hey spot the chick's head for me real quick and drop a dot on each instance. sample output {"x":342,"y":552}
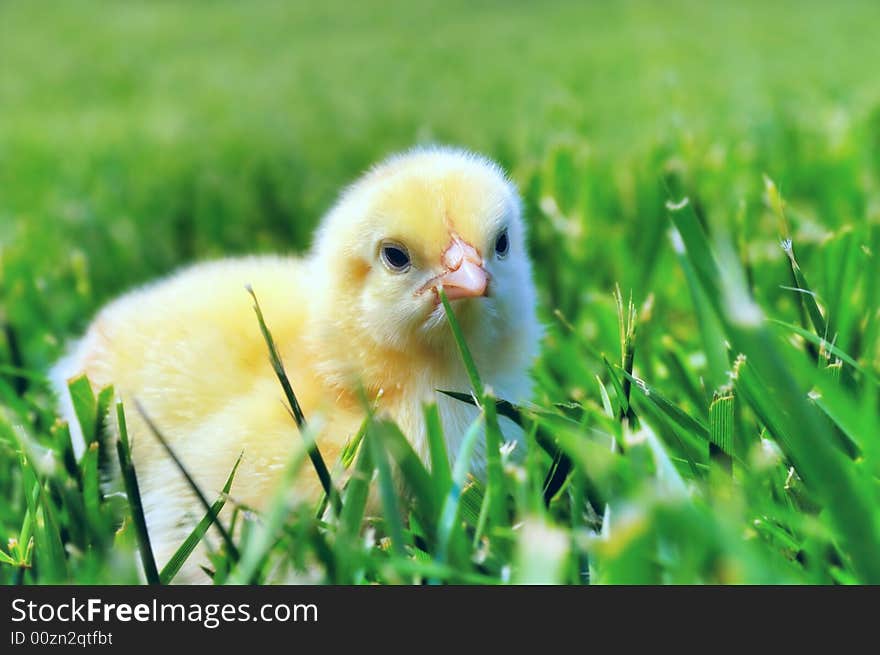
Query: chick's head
{"x":420,"y":221}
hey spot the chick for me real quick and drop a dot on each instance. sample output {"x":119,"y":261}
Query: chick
{"x":360,"y":311}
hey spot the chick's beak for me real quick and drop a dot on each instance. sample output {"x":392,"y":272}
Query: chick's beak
{"x":465,"y":276}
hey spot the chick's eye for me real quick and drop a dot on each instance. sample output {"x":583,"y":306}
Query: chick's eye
{"x":395,"y":257}
{"x":502,"y":244}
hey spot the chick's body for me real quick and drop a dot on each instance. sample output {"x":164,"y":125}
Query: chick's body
{"x":360,"y":311}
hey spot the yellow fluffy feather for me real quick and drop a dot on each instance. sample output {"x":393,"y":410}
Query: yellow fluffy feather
{"x":360,"y":309}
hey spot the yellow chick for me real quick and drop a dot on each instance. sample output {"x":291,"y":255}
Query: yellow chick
{"x":360,"y":310}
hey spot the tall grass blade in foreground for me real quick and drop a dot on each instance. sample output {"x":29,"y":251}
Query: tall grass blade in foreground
{"x":278,"y":366}
{"x":353,"y":507}
{"x":450,"y":509}
{"x":387,"y":490}
{"x":441,"y":473}
{"x":178,"y":559}
{"x":227,"y":539}
{"x":494,"y":474}
{"x":806,"y":296}
{"x":626,"y":320}
{"x":132,"y":491}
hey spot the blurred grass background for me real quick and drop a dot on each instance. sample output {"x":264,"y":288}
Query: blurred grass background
{"x":152,"y":133}
{"x":137,"y":136}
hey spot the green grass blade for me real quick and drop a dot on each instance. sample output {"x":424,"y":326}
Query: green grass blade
{"x":178,"y":559}
{"x":502,"y":407}
{"x":820,"y":342}
{"x":313,"y":450}
{"x":227,"y":539}
{"x":494,"y":473}
{"x":626,"y":322}
{"x":353,"y":446}
{"x":721,"y":427}
{"x":132,"y":491}
{"x":721,"y":422}
{"x":63,"y":445}
{"x":441,"y":473}
{"x":85,"y":406}
{"x":467,"y":359}
{"x":41,"y":520}
{"x":48,"y":549}
{"x":25,"y":535}
{"x":49,"y":530}
{"x":606,"y":399}
{"x":91,"y":484}
{"x":806,"y":295}
{"x":623,"y":405}
{"x":412,"y":472}
{"x":348,"y":550}
{"x":711,"y":332}
{"x":449,"y":513}
{"x":682,"y":419}
{"x":102,"y":408}
{"x":471,"y":501}
{"x":387,"y":490}
{"x":690,"y":233}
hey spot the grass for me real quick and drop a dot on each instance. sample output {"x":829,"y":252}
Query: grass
{"x":716,"y":165}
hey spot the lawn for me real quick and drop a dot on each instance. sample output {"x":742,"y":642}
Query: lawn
{"x":717,"y":420}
